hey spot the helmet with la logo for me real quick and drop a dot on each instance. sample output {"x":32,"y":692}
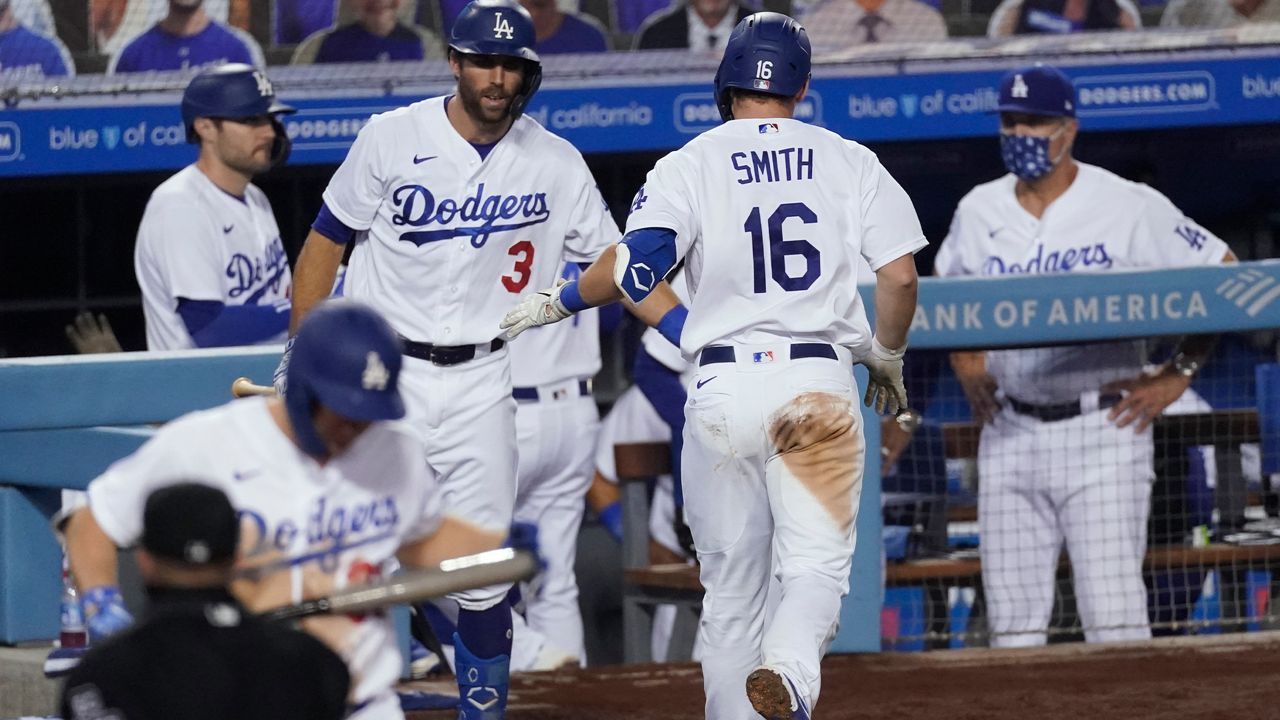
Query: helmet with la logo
{"x":233,"y":91}
{"x":346,"y":358}
{"x":500,"y":27}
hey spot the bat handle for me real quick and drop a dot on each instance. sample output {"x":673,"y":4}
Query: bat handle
{"x":244,"y":387}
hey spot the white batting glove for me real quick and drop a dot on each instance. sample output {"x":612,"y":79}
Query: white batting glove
{"x":540,"y":308}
{"x":885,"y":390}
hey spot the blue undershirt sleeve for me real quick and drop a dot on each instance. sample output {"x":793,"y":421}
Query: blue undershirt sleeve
{"x":328,"y":225}
{"x":214,"y":324}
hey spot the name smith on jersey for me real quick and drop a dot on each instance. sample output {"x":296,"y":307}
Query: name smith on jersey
{"x":768,"y":166}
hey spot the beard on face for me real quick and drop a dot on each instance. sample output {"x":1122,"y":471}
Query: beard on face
{"x":473,"y":103}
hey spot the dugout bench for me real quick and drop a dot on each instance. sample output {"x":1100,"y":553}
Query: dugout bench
{"x":648,"y":585}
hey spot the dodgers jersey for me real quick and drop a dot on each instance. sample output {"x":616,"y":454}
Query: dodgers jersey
{"x":771,"y":216}
{"x":299,"y":520}
{"x":1102,"y":223}
{"x":448,"y":243}
{"x":197,"y":241}
{"x":567,"y":350}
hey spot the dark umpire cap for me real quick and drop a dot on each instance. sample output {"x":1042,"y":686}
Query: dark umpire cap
{"x":1038,"y":90}
{"x":191,"y":523}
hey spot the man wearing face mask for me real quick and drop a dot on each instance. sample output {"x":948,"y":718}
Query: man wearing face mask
{"x":1066,"y":452}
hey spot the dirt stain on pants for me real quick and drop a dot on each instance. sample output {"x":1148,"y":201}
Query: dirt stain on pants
{"x":817,"y":439}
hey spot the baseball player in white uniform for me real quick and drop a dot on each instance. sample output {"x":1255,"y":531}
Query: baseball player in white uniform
{"x":770,"y":214}
{"x":328,"y":495}
{"x":1066,"y":452}
{"x":209,"y":258}
{"x":455,"y":204}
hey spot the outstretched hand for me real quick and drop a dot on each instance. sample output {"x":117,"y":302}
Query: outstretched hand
{"x":539,"y":308}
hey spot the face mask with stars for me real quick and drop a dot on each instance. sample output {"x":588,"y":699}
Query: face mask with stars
{"x":1027,"y":156}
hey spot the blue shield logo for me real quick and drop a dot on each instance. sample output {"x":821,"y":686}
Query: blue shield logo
{"x":111,"y":136}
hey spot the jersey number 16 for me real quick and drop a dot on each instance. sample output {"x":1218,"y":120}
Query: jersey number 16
{"x":780,"y":248}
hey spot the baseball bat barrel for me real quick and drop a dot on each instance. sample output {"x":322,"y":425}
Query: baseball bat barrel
{"x":504,"y":565}
{"x":244,"y":387}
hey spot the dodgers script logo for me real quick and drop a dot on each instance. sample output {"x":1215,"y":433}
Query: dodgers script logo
{"x":331,"y":528}
{"x":1057,"y":261}
{"x":477,"y":216}
{"x":265,"y":272}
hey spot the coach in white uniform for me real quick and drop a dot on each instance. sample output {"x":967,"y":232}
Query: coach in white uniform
{"x":455,"y":205}
{"x":770,"y":215}
{"x":1066,"y":451}
{"x":209,"y":259}
{"x":328,"y":495}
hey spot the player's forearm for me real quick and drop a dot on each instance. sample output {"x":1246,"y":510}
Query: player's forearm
{"x":969,"y":363}
{"x":313,"y":277}
{"x":596,"y":286}
{"x":454,"y":538}
{"x":90,"y":552}
{"x":652,"y":309}
{"x":896,"y":285}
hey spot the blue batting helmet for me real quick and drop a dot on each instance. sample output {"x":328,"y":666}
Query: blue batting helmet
{"x":234,"y":90}
{"x":768,"y":53}
{"x":346,"y":358}
{"x":500,"y":27}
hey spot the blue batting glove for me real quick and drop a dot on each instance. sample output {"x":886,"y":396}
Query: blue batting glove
{"x":611,"y":519}
{"x":104,"y":612}
{"x":280,"y":378}
{"x":524,"y":536}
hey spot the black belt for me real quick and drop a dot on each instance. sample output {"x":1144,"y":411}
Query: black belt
{"x":531,"y":393}
{"x":446,"y":354}
{"x":1061,"y":411}
{"x":724,"y":353}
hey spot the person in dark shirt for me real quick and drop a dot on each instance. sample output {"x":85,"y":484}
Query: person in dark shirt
{"x":186,"y":38}
{"x":22,"y":48}
{"x":564,"y":32}
{"x":698,"y":25}
{"x":198,"y":654}
{"x":376,"y":35}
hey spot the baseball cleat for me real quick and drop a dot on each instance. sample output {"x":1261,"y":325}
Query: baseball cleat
{"x":773,"y":696}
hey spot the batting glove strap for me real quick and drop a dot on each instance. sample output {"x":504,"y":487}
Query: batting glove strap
{"x":881,"y":352}
{"x":104,"y":612}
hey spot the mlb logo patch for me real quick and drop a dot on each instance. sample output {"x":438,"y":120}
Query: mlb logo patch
{"x":768,"y":128}
{"x":762,"y":357}
{"x":759,"y":84}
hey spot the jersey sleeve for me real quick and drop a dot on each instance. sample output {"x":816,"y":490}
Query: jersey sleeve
{"x":357,"y":188}
{"x":1165,"y":237}
{"x":668,"y":200}
{"x":890,"y":228}
{"x":178,"y":238}
{"x":592,"y":227}
{"x":117,"y":496}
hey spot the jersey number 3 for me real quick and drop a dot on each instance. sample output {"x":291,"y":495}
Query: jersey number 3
{"x":781,"y":248}
{"x":523,"y":252}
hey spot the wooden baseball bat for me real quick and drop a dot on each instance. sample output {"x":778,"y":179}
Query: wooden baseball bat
{"x":504,"y":565}
{"x":244,"y":387}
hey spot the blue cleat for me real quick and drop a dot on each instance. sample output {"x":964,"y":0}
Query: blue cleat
{"x":774,"y":696}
